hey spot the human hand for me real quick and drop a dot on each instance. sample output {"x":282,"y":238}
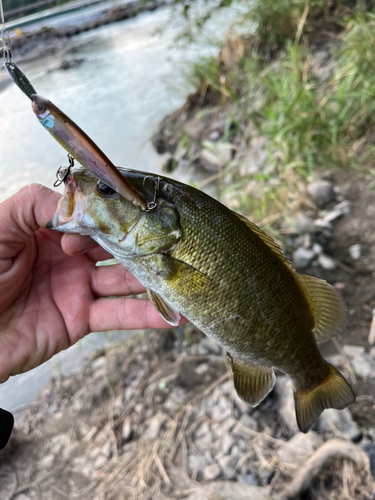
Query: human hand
{"x":51,"y":292}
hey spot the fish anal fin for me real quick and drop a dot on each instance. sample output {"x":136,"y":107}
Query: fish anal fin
{"x":333,"y":392}
{"x":326,"y":306}
{"x":266,"y":239}
{"x":252,"y":382}
{"x":165,"y":310}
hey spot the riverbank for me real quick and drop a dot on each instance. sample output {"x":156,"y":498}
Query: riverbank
{"x":30,"y":44}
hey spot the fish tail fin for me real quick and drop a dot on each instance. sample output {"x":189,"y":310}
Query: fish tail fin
{"x":333,"y":392}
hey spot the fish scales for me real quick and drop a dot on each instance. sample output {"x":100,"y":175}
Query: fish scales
{"x":200,"y":259}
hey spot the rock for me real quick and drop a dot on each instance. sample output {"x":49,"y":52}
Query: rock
{"x":197,"y":463}
{"x":229,"y":490}
{"x":355,"y":251}
{"x":126,"y":430}
{"x":154,"y":425}
{"x":286,"y":410}
{"x":211,"y":472}
{"x":71,"y":63}
{"x":249,"y":422}
{"x":215,"y":155}
{"x":303,"y":447}
{"x":201,"y":369}
{"x":317,"y":249}
{"x":227,"y":442}
{"x":208,"y":346}
{"x":321,"y":192}
{"x":302,"y":258}
{"x":326,"y":262}
{"x":304,"y":223}
{"x":225,"y":464}
{"x":369,"y":448}
{"x":255,"y":158}
{"x":362,"y":363}
{"x":341,"y":420}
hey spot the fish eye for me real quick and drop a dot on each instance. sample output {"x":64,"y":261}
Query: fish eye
{"x":104,"y":189}
{"x":41,"y":107}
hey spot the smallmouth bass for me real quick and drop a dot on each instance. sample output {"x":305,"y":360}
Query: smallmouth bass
{"x":225,"y":275}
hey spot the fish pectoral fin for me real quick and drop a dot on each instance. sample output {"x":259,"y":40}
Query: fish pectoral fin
{"x":333,"y":392}
{"x":251,"y":381}
{"x":165,"y":310}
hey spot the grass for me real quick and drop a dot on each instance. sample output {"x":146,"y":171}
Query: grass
{"x":312,"y":122}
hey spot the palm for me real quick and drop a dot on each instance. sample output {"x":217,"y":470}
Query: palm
{"x":49,"y":300}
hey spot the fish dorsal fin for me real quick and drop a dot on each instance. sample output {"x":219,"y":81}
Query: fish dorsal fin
{"x":252,"y":382}
{"x":326,"y":306}
{"x":265,"y":238}
{"x":165,"y":310}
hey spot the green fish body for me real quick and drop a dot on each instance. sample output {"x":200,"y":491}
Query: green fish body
{"x":198,"y":258}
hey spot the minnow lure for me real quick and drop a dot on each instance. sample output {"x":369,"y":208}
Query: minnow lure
{"x":83,"y":149}
{"x":73,"y":138}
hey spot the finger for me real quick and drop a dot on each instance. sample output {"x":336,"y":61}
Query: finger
{"x":114,"y":280}
{"x":23,"y":214}
{"x":125,"y":314}
{"x":73,"y":244}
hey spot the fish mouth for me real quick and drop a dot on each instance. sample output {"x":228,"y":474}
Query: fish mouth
{"x":69,"y":209}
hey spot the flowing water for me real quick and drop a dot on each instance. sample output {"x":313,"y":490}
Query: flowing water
{"x":130,"y":80}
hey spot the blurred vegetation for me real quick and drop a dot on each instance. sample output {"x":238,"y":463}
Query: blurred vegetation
{"x":316,"y":115}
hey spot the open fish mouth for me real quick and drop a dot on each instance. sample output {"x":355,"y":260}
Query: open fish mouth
{"x":70,"y":208}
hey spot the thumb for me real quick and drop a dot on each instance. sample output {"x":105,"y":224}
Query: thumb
{"x":23,"y":214}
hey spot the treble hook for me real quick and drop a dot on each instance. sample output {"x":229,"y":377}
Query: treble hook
{"x":63,"y":172}
{"x":151,"y":205}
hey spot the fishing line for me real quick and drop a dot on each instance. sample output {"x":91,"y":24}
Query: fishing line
{"x":6,"y":418}
{"x":4,"y":36}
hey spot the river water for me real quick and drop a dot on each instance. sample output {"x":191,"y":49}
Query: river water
{"x":131,"y":78}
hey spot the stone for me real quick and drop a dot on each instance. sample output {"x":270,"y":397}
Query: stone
{"x":302,"y":258}
{"x":362,"y":363}
{"x":211,"y":472}
{"x":355,"y":251}
{"x":201,"y":369}
{"x":227,"y":442}
{"x":303,"y":446}
{"x":317,"y":249}
{"x":369,"y":448}
{"x":225,"y":464}
{"x":154,"y":425}
{"x":304,"y":223}
{"x":229,"y":490}
{"x":197,"y":463}
{"x":286,"y":409}
{"x":248,"y":421}
{"x":210,"y":346}
{"x":341,"y":420}
{"x":326,"y":262}
{"x":215,"y":155}
{"x":126,"y":429}
{"x":321,"y":192}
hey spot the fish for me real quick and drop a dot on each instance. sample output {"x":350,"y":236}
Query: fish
{"x":82,"y":148}
{"x":198,"y":258}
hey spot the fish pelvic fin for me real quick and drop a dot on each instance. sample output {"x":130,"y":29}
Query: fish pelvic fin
{"x":326,"y":305}
{"x":252,"y":382}
{"x":165,"y":310}
{"x":333,"y":392}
